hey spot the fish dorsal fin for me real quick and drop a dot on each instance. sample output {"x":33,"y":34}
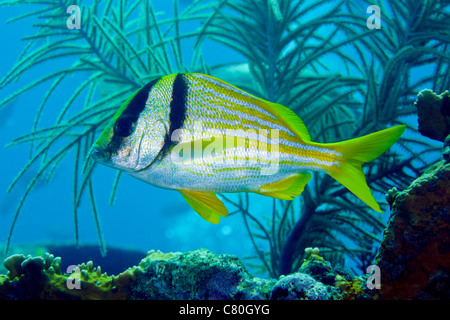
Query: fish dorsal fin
{"x":286,"y":189}
{"x":292,"y":120}
{"x":286,"y":115}
{"x":207,"y":205}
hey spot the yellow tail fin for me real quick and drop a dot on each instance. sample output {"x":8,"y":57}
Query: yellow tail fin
{"x":357,"y":151}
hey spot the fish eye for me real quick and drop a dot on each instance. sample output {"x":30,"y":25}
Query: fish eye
{"x":124,"y":127}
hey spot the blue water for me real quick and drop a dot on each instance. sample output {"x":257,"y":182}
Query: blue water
{"x":143,"y":217}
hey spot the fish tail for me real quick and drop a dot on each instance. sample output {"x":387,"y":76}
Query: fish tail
{"x":355,"y":153}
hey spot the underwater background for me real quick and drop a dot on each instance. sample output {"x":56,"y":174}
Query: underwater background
{"x":142,"y":218}
{"x":323,"y":59}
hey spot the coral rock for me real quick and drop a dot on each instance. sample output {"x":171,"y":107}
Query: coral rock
{"x":341,"y":283}
{"x":433,"y":114}
{"x":446,"y":153}
{"x":198,"y":274}
{"x":193,"y":275}
{"x":300,"y":286}
{"x":414,"y":257}
{"x":13,"y":265}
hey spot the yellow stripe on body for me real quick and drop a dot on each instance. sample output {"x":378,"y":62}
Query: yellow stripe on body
{"x":235,"y":103}
{"x":216,"y":108}
{"x":245,"y":158}
{"x":221,"y":88}
{"x":264,"y":145}
{"x":209,"y":94}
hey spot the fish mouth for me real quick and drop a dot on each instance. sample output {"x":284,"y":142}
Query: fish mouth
{"x":97,"y":153}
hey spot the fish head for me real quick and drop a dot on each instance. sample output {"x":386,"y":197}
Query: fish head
{"x":134,"y":136}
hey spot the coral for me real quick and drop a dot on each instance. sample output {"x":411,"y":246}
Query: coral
{"x":414,"y":257}
{"x":116,"y":261}
{"x":316,"y":266}
{"x":300,"y":286}
{"x":194,"y":275}
{"x":433,"y":114}
{"x":19,"y":250}
{"x":41,"y":278}
{"x":13,"y":265}
{"x":446,"y":153}
{"x":342,"y":283}
{"x":198,"y":274}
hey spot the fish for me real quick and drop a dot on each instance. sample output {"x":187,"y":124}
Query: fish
{"x":201,"y":136}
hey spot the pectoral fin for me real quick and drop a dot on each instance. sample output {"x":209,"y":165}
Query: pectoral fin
{"x":286,"y":189}
{"x":207,"y":205}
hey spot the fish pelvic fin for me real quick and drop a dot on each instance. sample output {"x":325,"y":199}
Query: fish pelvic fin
{"x":286,"y":189}
{"x":355,"y":153}
{"x":207,"y":205}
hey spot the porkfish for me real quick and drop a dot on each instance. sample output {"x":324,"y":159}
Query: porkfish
{"x":200,"y":136}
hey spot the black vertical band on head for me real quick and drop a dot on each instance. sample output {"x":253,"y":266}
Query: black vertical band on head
{"x":137,"y":104}
{"x":177,"y":113}
{"x":131,"y":113}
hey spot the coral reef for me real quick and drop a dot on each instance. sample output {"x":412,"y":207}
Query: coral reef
{"x":40,"y":278}
{"x":199,"y":274}
{"x":300,"y":286}
{"x":433,"y":114}
{"x":33,"y":250}
{"x":194,"y":275}
{"x":414,"y":257}
{"x":342,"y":284}
{"x":116,"y":261}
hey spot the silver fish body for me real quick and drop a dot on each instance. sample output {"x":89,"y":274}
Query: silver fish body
{"x":200,"y":135}
{"x":244,"y":138}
